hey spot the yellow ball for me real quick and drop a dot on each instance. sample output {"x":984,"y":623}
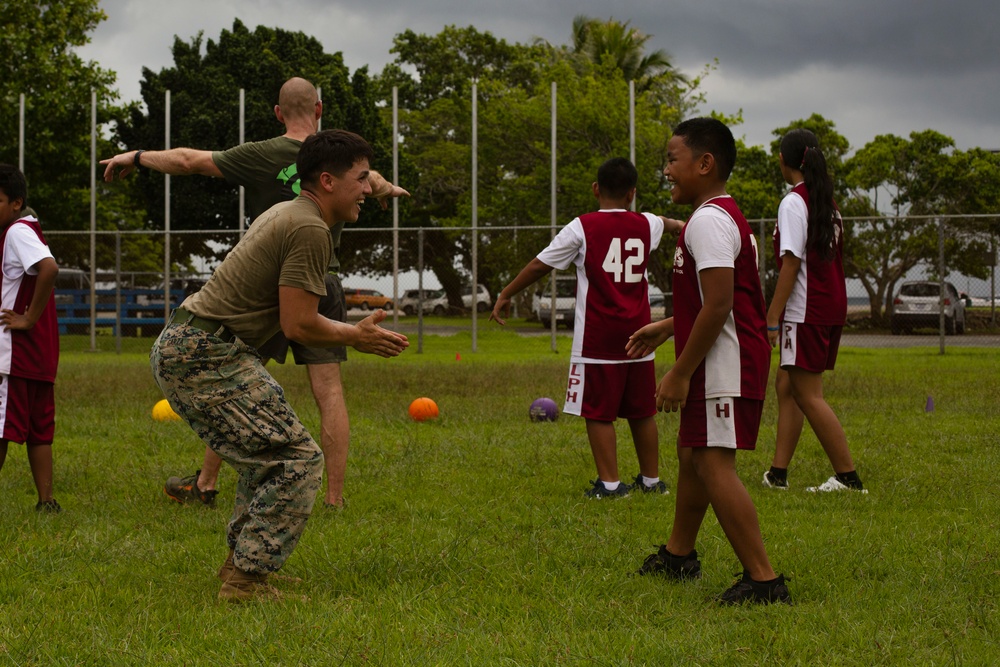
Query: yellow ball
{"x":162,"y":412}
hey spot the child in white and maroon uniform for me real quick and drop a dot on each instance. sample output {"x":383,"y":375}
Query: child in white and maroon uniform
{"x":808,"y":311}
{"x":29,"y":335}
{"x":719,"y":379}
{"x":610,"y":249}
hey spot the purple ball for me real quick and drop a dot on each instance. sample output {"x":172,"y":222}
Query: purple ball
{"x":543,"y":410}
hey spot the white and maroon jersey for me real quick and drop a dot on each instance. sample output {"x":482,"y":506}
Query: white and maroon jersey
{"x":32,"y":354}
{"x":819,"y":295}
{"x":610,"y":249}
{"x":718,"y":236}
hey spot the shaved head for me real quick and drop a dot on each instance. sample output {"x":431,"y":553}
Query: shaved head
{"x":297,"y":99}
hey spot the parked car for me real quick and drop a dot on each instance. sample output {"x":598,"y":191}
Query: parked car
{"x":917,"y":305}
{"x":366,"y":299}
{"x":68,"y":284}
{"x":661,"y":305}
{"x":565,"y":302}
{"x":438,"y":303}
{"x":411,"y":299}
{"x":483,"y":300}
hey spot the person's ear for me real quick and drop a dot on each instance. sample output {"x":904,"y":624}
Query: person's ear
{"x":327,"y":181}
{"x":706,"y":163}
{"x":596,"y":189}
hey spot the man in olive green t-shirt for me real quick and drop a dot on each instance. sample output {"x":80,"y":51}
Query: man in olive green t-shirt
{"x":206,"y":364}
{"x":267,"y":169}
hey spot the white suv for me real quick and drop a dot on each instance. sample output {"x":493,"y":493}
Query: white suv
{"x":565,"y":302}
{"x":483,"y":300}
{"x":916,"y":306}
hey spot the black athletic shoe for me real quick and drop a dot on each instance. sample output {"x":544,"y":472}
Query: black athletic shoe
{"x":185,"y":489}
{"x":774,"y":482}
{"x":48,"y":506}
{"x":599,"y":491}
{"x":748,"y":590}
{"x":659,"y":487}
{"x":678,"y":567}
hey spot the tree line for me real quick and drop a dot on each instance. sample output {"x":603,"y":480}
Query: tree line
{"x":922,"y":175}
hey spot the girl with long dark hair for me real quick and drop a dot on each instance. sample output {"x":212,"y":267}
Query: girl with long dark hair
{"x":808,"y":311}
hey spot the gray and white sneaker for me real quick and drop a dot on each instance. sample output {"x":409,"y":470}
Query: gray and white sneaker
{"x":833,"y":484}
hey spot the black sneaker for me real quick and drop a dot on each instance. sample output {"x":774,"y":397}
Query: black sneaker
{"x":659,"y":487}
{"x":186,"y":489}
{"x":598,"y":490}
{"x":48,"y":506}
{"x":748,"y":590}
{"x":678,"y":567}
{"x":772,"y":481}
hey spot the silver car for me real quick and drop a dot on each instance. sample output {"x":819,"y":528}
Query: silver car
{"x":918,"y":305}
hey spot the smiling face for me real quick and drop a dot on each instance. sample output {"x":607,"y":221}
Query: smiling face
{"x":348,"y":191}
{"x":682,"y":171}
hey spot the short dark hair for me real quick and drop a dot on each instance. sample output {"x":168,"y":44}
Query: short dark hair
{"x":331,"y":151}
{"x":616,"y":177}
{"x":708,"y":135}
{"x":13,"y":184}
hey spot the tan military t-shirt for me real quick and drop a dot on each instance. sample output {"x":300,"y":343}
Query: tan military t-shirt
{"x":288,"y":245}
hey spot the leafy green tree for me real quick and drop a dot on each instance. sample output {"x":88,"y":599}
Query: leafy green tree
{"x":38,"y":58}
{"x":204,"y":84}
{"x":923,"y":177}
{"x":625,"y":46}
{"x":514,"y":107}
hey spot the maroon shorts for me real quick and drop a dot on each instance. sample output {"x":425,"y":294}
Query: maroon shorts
{"x":27,"y":410}
{"x":730,"y":422}
{"x":605,"y":392}
{"x":811,"y":347}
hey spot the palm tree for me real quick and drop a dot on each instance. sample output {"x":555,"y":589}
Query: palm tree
{"x":598,"y":40}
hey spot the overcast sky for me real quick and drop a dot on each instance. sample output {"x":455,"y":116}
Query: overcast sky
{"x":871,"y":66}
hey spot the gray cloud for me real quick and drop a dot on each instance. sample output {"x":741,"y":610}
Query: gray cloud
{"x":871,"y":66}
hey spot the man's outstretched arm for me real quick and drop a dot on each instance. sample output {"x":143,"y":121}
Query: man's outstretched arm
{"x":176,"y":162}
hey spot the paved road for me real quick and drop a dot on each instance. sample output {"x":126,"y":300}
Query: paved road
{"x":887,"y":341}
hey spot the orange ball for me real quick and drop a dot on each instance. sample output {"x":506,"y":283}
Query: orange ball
{"x":422,"y":409}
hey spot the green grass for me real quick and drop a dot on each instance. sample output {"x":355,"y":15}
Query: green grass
{"x":468,"y":541}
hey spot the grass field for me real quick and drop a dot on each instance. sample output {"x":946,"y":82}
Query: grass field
{"x":467,"y":541}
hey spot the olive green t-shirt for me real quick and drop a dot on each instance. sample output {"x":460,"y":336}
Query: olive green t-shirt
{"x":268,"y":172}
{"x":288,"y":245}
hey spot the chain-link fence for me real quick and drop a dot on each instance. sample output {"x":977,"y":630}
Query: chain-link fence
{"x":424,"y":279}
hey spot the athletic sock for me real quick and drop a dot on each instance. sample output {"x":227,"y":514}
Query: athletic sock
{"x":610,"y":486}
{"x":850,"y":479}
{"x":649,"y":482}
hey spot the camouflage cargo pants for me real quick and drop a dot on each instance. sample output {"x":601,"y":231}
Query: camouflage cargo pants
{"x":223,"y":392}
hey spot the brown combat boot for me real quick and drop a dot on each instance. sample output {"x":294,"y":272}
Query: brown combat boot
{"x":227,"y":568}
{"x":240,"y":586}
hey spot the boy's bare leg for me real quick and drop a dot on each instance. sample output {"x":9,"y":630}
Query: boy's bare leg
{"x":40,"y":460}
{"x":335,"y":427}
{"x":807,"y":388}
{"x":716,"y":467}
{"x":604,"y":446}
{"x":647,"y":446}
{"x":790,"y":421}
{"x":690,"y":506}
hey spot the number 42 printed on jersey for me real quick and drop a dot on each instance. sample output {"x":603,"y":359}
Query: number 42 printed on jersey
{"x":633,"y":256}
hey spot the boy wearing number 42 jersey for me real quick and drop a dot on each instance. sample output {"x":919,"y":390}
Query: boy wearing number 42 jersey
{"x":610,"y":249}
